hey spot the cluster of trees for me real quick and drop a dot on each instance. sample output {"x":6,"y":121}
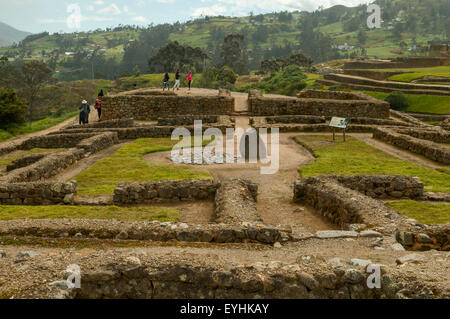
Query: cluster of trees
{"x":28,"y":79}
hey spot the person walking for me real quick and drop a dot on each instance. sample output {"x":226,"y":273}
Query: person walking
{"x":81,"y":120}
{"x":189,"y":79}
{"x":98,"y":106}
{"x":177,"y":81}
{"x":166,"y":81}
{"x":86,"y":111}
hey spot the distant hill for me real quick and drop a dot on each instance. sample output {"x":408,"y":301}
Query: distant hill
{"x":9,"y":35}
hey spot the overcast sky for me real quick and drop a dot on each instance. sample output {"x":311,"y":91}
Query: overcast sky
{"x":52,"y":15}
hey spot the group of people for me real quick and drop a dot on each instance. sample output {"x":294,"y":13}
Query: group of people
{"x":85,"y":109}
{"x":176,"y":84}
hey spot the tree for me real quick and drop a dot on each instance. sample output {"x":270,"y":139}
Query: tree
{"x":175,"y":56}
{"x":362,"y":36}
{"x":34,"y":76}
{"x":397,"y":31}
{"x":233,"y":54}
{"x":12,"y":109}
{"x":8,"y":74}
{"x":298,"y":59}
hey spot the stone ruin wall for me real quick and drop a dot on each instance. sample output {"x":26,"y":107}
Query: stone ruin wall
{"x":433,"y":151}
{"x":318,"y":107}
{"x":152,"y":107}
{"x":165,"y":191}
{"x":44,"y":166}
{"x":275,"y":280}
{"x":399,"y":63}
{"x":42,"y":193}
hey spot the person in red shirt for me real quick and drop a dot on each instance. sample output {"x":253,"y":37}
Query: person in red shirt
{"x":189,"y":79}
{"x":98,"y":106}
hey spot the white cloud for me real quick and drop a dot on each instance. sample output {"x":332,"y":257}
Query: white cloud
{"x":99,"y":3}
{"x":140,"y":19}
{"x":112,"y":9}
{"x":90,"y":8}
{"x":210,"y":11}
{"x":278,"y":5}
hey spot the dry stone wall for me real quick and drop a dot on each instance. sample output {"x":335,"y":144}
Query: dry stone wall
{"x":37,"y":193}
{"x":165,"y":279}
{"x":344,"y":206}
{"x":434,"y":135}
{"x":342,"y":78}
{"x":333,"y":95}
{"x":45,"y":168}
{"x":235,"y":202}
{"x":434,"y":151}
{"x":148,"y":231}
{"x":382,"y":186}
{"x":399,"y":63}
{"x":25,"y":161}
{"x":98,"y":142}
{"x":165,"y":191}
{"x":265,"y":106}
{"x":56,"y":140}
{"x":145,"y":108}
{"x":183,"y":120}
{"x":147,"y":131}
{"x":106,"y":124}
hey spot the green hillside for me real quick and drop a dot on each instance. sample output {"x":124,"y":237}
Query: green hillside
{"x":409,"y":26}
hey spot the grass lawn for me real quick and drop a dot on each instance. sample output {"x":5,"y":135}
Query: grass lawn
{"x":426,"y":213}
{"x":357,"y":158}
{"x":421,"y":103}
{"x":128,"y":165}
{"x":147,"y":213}
{"x":35,"y":126}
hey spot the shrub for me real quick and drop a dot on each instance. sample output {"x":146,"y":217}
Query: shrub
{"x":287,"y":82}
{"x":397,"y":100}
{"x":227,"y":75}
{"x":12,"y":109}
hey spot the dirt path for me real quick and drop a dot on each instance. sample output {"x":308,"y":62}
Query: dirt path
{"x":21,"y":138}
{"x":275,"y":191}
{"x":397,"y":152}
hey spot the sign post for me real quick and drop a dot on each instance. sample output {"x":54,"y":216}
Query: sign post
{"x":339,"y":122}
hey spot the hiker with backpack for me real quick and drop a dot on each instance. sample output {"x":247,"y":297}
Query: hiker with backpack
{"x":166,"y":81}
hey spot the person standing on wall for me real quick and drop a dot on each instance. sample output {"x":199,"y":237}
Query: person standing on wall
{"x":166,"y":81}
{"x":98,"y":106}
{"x":189,"y":79}
{"x":177,"y":81}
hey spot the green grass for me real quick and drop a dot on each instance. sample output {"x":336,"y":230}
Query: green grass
{"x":147,"y":213}
{"x":421,"y":103}
{"x":415,"y":74}
{"x":357,"y":158}
{"x":426,"y":213}
{"x":35,"y":126}
{"x":128,"y":165}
